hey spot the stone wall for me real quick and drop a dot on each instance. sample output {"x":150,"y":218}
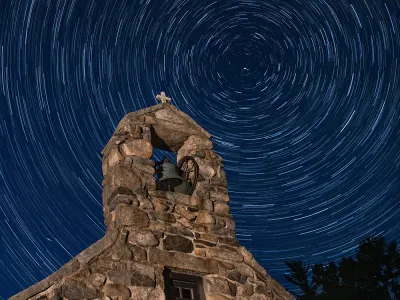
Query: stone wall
{"x":149,"y":229}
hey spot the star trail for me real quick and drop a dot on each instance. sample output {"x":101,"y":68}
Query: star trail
{"x":302,"y":98}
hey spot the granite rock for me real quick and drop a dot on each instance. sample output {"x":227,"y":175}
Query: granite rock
{"x":177,"y":243}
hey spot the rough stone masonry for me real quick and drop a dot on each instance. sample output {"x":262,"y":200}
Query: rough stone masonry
{"x":148,"y":229}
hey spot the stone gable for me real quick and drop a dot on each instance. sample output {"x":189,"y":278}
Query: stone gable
{"x":151,"y":231}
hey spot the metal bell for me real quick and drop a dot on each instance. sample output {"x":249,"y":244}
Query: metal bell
{"x":169,"y":179}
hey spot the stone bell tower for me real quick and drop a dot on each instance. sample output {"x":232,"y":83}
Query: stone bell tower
{"x":161,"y":244}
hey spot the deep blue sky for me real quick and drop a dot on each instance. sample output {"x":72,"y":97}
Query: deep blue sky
{"x":302,"y":99}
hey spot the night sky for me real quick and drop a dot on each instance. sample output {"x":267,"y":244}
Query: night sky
{"x":302,"y":99}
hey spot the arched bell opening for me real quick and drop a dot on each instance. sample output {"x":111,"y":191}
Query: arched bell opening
{"x":170,"y":174}
{"x":129,"y":165}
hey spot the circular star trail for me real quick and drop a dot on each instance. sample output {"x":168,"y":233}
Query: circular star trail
{"x":302,"y":99}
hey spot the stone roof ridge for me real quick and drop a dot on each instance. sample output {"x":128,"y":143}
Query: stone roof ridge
{"x":173,"y":109}
{"x":84,"y":258}
{"x":71,"y":267}
{"x":135,"y":116}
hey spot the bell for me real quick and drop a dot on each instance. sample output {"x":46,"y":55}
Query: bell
{"x":169,"y":179}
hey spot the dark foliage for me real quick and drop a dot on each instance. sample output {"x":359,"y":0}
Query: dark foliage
{"x":372,"y":274}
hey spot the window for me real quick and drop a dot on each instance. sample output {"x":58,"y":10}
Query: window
{"x":179,"y":286}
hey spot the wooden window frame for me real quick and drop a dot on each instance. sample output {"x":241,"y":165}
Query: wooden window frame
{"x":184,"y":279}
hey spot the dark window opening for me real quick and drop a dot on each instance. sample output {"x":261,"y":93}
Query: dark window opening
{"x":179,"y":286}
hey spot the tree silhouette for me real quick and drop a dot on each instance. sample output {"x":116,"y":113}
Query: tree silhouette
{"x":372,"y":274}
{"x":299,"y":277}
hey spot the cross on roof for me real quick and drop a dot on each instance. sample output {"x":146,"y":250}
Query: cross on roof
{"x":163,"y":98}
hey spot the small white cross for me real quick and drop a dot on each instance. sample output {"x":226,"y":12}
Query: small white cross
{"x":163,"y":98}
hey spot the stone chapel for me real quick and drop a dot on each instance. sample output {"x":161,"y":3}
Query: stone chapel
{"x":161,"y":244}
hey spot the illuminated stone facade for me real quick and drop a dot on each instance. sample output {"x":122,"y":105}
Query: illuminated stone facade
{"x":151,"y":231}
